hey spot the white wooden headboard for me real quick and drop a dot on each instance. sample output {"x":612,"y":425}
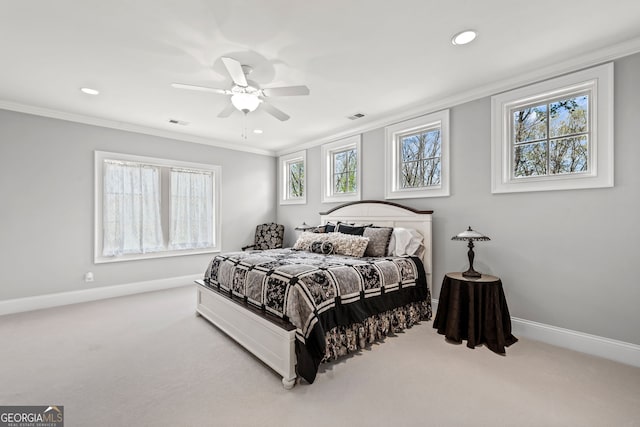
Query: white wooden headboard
{"x":387,"y":214}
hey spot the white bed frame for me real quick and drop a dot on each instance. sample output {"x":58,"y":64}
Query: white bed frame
{"x":274,"y":344}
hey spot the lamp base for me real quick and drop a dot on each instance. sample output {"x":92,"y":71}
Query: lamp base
{"x":471,"y":273}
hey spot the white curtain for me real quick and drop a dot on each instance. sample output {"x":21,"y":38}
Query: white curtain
{"x":131,"y":209}
{"x":192,"y":219}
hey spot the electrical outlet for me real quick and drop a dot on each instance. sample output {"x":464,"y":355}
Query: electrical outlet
{"x":88,"y":277}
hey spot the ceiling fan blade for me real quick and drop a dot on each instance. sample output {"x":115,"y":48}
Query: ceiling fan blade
{"x":235,"y":71}
{"x":201,"y":88}
{"x":286,"y":91}
{"x":229,"y":109}
{"x":278,"y":114}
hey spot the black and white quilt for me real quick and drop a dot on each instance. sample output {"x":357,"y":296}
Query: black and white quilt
{"x":317,"y":292}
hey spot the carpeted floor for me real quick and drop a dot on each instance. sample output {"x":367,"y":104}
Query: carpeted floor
{"x":147,"y":360}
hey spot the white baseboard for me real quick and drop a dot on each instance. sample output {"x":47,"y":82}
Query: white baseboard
{"x":594,"y":345}
{"x":608,"y":348}
{"x":19,"y":305}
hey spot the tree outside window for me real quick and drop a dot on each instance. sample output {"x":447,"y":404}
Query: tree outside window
{"x":296,"y":179}
{"x":421,"y":159}
{"x":417,"y":157}
{"x":345,"y":165}
{"x":554,"y":135}
{"x":292,"y":178}
{"x":341,"y":170}
{"x":551,"y":138}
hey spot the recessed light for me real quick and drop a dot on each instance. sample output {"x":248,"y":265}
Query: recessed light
{"x":464,"y":37}
{"x":258,"y":131}
{"x":89,"y":91}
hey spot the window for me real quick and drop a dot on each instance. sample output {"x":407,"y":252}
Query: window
{"x":293,"y":178}
{"x":344,"y":170}
{"x":191,"y":224}
{"x":417,"y":157}
{"x":555,"y":135}
{"x":341,"y":170}
{"x":148,"y":208}
{"x":551,"y":138}
{"x":131,"y":210}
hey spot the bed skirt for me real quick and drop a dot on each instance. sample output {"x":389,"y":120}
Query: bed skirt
{"x":343,"y":340}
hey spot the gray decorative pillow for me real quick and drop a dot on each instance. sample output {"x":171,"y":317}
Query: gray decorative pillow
{"x":378,"y":241}
{"x":348,"y":244}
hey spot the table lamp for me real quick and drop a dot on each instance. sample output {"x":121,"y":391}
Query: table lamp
{"x":303,"y":227}
{"x":470,"y":235}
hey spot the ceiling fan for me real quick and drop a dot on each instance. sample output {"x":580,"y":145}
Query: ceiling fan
{"x":246,"y":95}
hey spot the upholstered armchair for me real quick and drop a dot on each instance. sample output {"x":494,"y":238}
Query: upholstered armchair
{"x":268,"y":236}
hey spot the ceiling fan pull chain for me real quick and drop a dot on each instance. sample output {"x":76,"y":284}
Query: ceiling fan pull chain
{"x":244,"y":126}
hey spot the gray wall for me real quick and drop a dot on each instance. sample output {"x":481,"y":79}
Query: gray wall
{"x":46,"y":203}
{"x":566,"y":258}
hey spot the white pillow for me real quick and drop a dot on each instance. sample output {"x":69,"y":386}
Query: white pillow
{"x":405,"y":241}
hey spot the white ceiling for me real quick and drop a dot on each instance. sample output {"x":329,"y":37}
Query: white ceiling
{"x":378,"y":57}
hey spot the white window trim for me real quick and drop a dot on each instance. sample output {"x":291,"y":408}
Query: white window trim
{"x":393,"y":189}
{"x":599,"y":81}
{"x":328,"y":196}
{"x":284,"y":178}
{"x":100,"y":156}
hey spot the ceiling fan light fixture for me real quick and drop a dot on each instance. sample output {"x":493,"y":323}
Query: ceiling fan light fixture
{"x":246,"y":96}
{"x":245,"y":102}
{"x":464,"y":37}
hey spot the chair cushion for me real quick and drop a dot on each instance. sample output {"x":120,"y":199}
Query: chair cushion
{"x":269,"y":236}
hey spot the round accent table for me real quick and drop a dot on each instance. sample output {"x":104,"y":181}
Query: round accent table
{"x":474,"y":309}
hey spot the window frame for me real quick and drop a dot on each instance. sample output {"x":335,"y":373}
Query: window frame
{"x":165,"y":164}
{"x":328,"y":152}
{"x":285,"y":161}
{"x":597,"y":82}
{"x":393,"y":160}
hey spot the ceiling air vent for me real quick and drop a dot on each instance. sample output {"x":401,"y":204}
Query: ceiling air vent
{"x":178,"y":122}
{"x":356,"y":116}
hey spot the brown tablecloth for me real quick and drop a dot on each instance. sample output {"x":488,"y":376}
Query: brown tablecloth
{"x":474,"y":310}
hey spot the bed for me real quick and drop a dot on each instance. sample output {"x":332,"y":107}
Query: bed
{"x":294,"y":309}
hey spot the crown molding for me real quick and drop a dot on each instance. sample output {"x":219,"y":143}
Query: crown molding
{"x":426,"y":106}
{"x":128,"y":127}
{"x":431,"y":105}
